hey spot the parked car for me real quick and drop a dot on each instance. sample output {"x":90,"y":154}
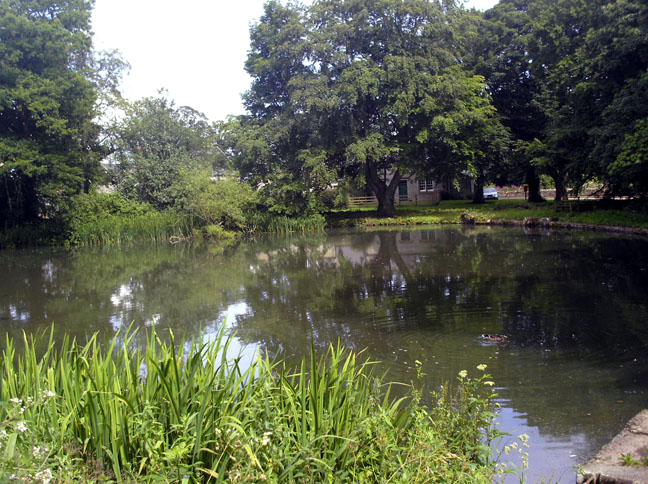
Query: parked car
{"x":491,"y":194}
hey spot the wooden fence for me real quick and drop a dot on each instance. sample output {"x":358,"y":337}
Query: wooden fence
{"x":361,"y":201}
{"x":354,"y":202}
{"x":566,"y":206}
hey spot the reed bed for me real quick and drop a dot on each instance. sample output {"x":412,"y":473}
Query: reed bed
{"x":283,"y":225}
{"x":116,"y":229}
{"x":172,"y":410}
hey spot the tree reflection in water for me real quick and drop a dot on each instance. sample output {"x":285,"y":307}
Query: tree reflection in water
{"x":573,"y":305}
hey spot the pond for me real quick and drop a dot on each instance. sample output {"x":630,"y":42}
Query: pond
{"x":573,"y":306}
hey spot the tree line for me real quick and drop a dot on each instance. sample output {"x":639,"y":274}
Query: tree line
{"x":355,"y":88}
{"x":345,"y":95}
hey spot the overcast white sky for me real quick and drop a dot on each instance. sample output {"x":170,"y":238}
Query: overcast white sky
{"x":193,"y":48}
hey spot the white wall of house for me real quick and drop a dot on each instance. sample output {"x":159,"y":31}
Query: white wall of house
{"x":414,"y":190}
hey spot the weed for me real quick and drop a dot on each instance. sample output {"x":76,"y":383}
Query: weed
{"x":629,"y":460}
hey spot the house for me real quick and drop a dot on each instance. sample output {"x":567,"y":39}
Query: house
{"x":414,"y":189}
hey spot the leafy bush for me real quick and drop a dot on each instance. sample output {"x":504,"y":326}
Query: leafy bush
{"x":629,"y":172}
{"x":108,"y":218}
{"x":333,"y":198}
{"x":225,"y":202}
{"x":218,"y":232}
{"x":154,"y":143}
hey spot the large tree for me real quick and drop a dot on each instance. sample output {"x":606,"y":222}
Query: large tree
{"x":569,"y":79}
{"x":373,"y":89}
{"x":48,"y":140}
{"x":614,"y":79}
{"x":500,"y":53}
{"x":153,"y":144}
{"x":277,"y":144}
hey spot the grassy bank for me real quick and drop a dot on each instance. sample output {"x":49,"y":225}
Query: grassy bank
{"x":176,"y":411}
{"x":495,"y":212}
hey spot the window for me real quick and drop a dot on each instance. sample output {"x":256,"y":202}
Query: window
{"x":426,"y":185}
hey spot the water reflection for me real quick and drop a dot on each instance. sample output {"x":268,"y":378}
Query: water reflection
{"x":573,"y":305}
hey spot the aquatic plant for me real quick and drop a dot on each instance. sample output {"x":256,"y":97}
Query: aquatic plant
{"x":171,"y":410}
{"x":263,"y":222}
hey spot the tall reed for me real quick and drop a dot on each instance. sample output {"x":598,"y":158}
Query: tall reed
{"x":117,"y":229}
{"x":263,"y":222}
{"x":180,"y":411}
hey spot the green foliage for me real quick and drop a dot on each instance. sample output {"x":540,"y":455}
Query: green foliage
{"x":108,"y":218}
{"x":153,"y":145}
{"x":501,"y":212}
{"x":569,"y":78}
{"x":218,"y":232}
{"x":630,"y":460}
{"x":358,"y":89}
{"x":195,"y":416}
{"x":629,"y":172}
{"x":334,"y":198}
{"x":48,"y":141}
{"x":263,"y":222}
{"x":225,"y":201}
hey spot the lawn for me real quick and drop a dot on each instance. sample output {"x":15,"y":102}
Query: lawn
{"x":598,"y":213}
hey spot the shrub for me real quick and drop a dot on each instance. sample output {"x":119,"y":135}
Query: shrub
{"x":226,"y":202}
{"x":108,"y":218}
{"x":218,"y":232}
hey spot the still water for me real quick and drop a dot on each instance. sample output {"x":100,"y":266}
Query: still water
{"x":574,"y":307}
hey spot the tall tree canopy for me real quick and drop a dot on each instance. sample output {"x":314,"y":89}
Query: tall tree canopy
{"x":48,"y":140}
{"x":153,"y":144}
{"x":569,"y":78}
{"x":361,"y":88}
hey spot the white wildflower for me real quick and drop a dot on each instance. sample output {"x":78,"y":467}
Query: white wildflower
{"x":482,"y":367}
{"x":39,"y":452}
{"x":16,"y":401}
{"x":21,"y":427}
{"x":463,"y":374}
{"x":44,"y":476}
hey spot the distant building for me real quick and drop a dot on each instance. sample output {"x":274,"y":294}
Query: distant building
{"x":414,"y":189}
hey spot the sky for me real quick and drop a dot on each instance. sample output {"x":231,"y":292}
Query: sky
{"x":195,"y":49}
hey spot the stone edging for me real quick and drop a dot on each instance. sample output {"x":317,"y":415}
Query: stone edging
{"x":551,"y":223}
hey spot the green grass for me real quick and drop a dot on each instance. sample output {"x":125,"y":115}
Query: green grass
{"x":502,"y":211}
{"x":278,"y":224}
{"x":119,"y":229}
{"x":168,"y":410}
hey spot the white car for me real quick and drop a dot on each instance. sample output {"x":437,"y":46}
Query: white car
{"x":490,"y":194}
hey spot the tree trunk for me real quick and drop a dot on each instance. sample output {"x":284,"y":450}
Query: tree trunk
{"x":533,"y":182}
{"x":384,"y":193}
{"x":560,"y":180}
{"x":30,"y":206}
{"x":478,"y":191}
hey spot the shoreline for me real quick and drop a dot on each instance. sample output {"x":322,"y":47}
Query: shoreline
{"x":617,"y":219}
